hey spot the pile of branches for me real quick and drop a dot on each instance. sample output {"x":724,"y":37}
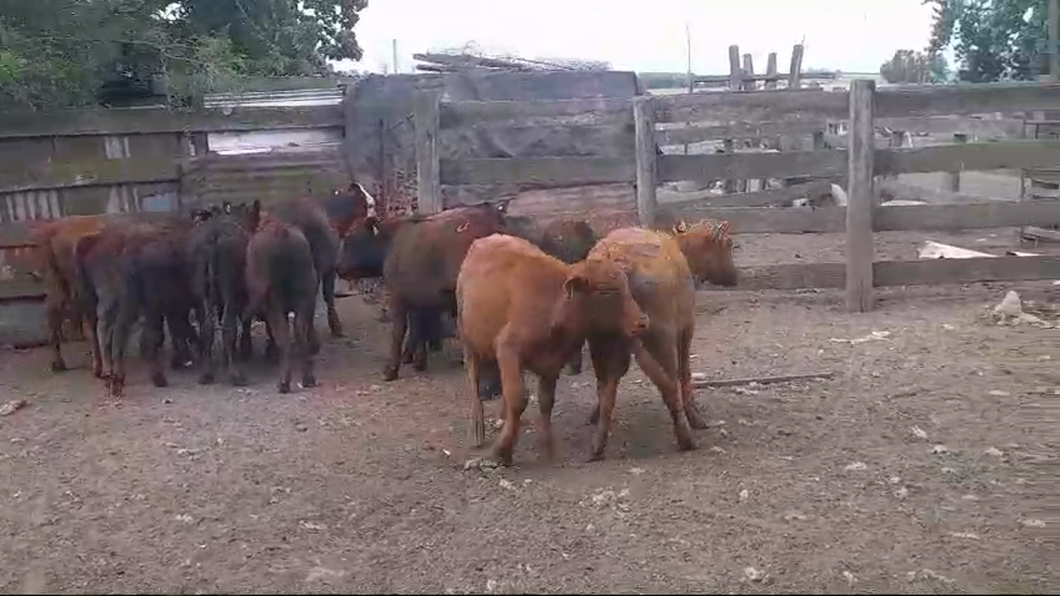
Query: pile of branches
{"x":470,"y":57}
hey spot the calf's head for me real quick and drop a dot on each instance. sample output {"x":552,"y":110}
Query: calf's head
{"x":708,"y":248}
{"x":596,"y":300}
{"x":364,"y":249}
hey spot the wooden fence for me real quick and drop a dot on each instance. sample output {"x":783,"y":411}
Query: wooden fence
{"x":128,"y":160}
{"x":733,"y":115}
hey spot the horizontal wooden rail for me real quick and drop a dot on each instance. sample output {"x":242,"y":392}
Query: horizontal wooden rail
{"x":793,"y":276}
{"x":472,"y":114}
{"x":567,"y":170}
{"x":88,"y":173}
{"x":745,"y":166}
{"x":970,"y":156}
{"x":689,"y":202}
{"x":751,"y":106}
{"x":156,"y":121}
{"x":930,"y":100}
{"x":21,"y":289}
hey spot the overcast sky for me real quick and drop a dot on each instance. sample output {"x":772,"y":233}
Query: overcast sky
{"x":851,"y":35}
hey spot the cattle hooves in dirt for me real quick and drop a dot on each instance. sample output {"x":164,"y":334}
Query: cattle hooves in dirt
{"x":390,"y":373}
{"x":159,"y":380}
{"x":239,"y":380}
{"x":59,"y":366}
{"x":283,"y":387}
{"x":206,"y":379}
{"x":309,"y":382}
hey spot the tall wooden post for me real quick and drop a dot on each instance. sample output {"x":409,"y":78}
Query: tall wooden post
{"x":795,"y":70}
{"x":771,"y":70}
{"x":644,"y":142}
{"x":1054,"y":40}
{"x":861,"y":165}
{"x":953,"y":179}
{"x":428,"y":170}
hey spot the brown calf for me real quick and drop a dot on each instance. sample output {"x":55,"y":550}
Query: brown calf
{"x":281,"y":279}
{"x":521,"y":309}
{"x":662,"y":270}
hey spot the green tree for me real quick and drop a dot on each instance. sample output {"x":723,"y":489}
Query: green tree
{"x":908,"y":66}
{"x":60,"y":53}
{"x":993,"y":39}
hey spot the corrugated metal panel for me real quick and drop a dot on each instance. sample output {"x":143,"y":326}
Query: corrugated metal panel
{"x":291,"y":98}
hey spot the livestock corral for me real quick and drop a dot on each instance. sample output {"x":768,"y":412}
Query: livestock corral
{"x":876,"y":420}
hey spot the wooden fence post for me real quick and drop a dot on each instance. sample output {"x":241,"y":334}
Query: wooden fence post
{"x":795,"y":70}
{"x":861,"y":166}
{"x":428,"y":170}
{"x":644,"y":142}
{"x":953,"y":179}
{"x":771,"y":70}
{"x":749,"y":82}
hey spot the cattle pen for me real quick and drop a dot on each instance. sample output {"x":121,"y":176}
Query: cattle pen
{"x":738,"y":114}
{"x":906,"y":445}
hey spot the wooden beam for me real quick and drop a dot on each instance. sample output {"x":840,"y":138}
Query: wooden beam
{"x":644,"y":152}
{"x":748,"y":73}
{"x":772,"y":76}
{"x":933,"y":100}
{"x":428,"y":171}
{"x":735,"y":76}
{"x":738,"y":130}
{"x":544,"y":170}
{"x":754,"y":220}
{"x":795,"y":70}
{"x":959,"y":271}
{"x":972,"y":156}
{"x":791,"y":276}
{"x":16,"y":234}
{"x":766,"y":78}
{"x":88,"y":173}
{"x":689,"y":202}
{"x":700,"y":383}
{"x":21,"y":289}
{"x":743,"y":166}
{"x":861,"y":160}
{"x":475,"y":114}
{"x":892,"y":189}
{"x":71,"y":123}
{"x":966,"y":216}
{"x":752,"y":106}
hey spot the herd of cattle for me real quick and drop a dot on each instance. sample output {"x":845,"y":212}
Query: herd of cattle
{"x":524,"y":296}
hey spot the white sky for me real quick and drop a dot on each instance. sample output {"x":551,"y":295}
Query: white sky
{"x":850,"y":35}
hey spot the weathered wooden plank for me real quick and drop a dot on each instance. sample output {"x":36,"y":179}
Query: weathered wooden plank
{"x":752,"y":106}
{"x":972,"y":156}
{"x":473,"y":114}
{"x":21,"y":289}
{"x":88,"y":173}
{"x":795,"y":69}
{"x":738,"y":130}
{"x":752,"y":220}
{"x":790,"y":276}
{"x":892,"y":189}
{"x":743,"y":166}
{"x":955,"y":271}
{"x":544,"y":170}
{"x":644,"y":152}
{"x":967,"y":216}
{"x":928,"y":100}
{"x":69,"y":123}
{"x":690,"y":201}
{"x":428,"y":175}
{"x":861,"y":163}
{"x":1005,"y":127}
{"x":15,"y":234}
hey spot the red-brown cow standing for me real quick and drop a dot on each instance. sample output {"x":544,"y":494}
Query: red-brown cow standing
{"x":521,"y":309}
{"x":663,"y":270}
{"x":281,"y":279}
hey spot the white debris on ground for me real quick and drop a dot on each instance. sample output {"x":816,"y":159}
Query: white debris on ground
{"x":874,"y":336}
{"x":1011,"y":311}
{"x":12,"y":406}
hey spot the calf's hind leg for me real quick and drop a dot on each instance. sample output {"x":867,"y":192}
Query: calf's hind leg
{"x":684,"y":366}
{"x":656,"y":355}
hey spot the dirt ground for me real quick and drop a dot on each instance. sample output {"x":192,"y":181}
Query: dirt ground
{"x":918,"y":468}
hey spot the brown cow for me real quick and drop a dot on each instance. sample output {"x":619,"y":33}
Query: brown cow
{"x":54,"y":245}
{"x":663,"y":270}
{"x":521,"y":309}
{"x":131,"y":268}
{"x":281,"y":279}
{"x":419,"y":258}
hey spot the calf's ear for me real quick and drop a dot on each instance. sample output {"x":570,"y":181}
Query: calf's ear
{"x":575,"y":283}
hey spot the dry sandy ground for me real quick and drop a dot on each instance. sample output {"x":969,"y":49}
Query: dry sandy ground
{"x":920,"y":468}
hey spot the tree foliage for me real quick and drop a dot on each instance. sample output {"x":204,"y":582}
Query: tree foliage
{"x":63,"y":52}
{"x":908,"y":66}
{"x":993,"y":39}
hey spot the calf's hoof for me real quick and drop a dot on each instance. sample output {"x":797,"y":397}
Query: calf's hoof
{"x":390,"y":372}
{"x":239,"y":379}
{"x":685,"y":443}
{"x":408,"y":357}
{"x":336,"y":327}
{"x":284,"y":387}
{"x":159,"y":380}
{"x":58,"y":366}
{"x":695,"y":418}
{"x":419,"y":364}
{"x":206,"y":379}
{"x":502,"y":456}
{"x":309,"y":381}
